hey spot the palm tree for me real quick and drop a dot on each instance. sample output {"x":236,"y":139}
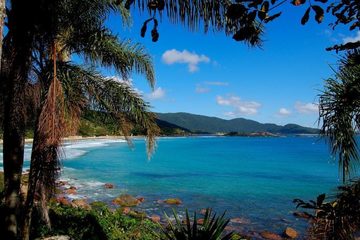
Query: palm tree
{"x":340,"y":113}
{"x":31,"y":22}
{"x":65,"y":89}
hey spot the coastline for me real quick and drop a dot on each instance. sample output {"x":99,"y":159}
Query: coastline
{"x":76,"y":138}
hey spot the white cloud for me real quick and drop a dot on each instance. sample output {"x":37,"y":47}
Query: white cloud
{"x":191,"y":59}
{"x":240,"y":106}
{"x":217,"y":83}
{"x":200,"y":89}
{"x":158,"y":93}
{"x":306,"y":107}
{"x":284,"y":112}
{"x":352,"y":39}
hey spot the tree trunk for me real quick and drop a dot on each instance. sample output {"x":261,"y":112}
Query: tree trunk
{"x":14,"y":111}
{"x":33,"y":179}
{"x":2,"y":18}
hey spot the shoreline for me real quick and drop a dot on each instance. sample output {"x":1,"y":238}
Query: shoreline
{"x":75,"y":138}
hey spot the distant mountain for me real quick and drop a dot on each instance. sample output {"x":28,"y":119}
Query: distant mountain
{"x":204,"y":124}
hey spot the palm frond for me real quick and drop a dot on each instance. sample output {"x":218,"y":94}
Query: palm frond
{"x":116,"y":98}
{"x":339,"y":114}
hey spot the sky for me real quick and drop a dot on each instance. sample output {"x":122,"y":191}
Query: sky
{"x":211,"y":74}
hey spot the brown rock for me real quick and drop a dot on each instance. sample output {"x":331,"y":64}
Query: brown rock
{"x":155,"y":218}
{"x":240,"y":220}
{"x":140,"y":199}
{"x":108,"y":186}
{"x":173,"y":201}
{"x":71,"y":191}
{"x":81,"y":203}
{"x":62,"y":200}
{"x":270,"y":235}
{"x":200,"y":221}
{"x":290,"y":233}
{"x":126,"y":200}
{"x":62,"y":183}
{"x":230,"y":228}
{"x":126,"y":210}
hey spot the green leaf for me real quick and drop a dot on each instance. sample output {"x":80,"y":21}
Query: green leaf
{"x":306,"y":16}
{"x":319,"y":17}
{"x":265,"y":6}
{"x":271,"y":18}
{"x":262,"y":15}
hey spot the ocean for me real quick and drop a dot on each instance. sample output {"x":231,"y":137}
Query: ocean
{"x":252,"y":178}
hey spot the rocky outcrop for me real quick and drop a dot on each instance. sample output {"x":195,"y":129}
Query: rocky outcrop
{"x":173,"y":201}
{"x":290,"y":233}
{"x":270,"y":236}
{"x":126,"y":200}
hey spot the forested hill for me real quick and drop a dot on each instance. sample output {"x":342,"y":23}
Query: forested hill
{"x":204,"y":124}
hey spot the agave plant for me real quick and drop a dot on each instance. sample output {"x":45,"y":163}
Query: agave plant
{"x":212,"y":227}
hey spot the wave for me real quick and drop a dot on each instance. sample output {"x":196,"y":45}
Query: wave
{"x":72,"y":149}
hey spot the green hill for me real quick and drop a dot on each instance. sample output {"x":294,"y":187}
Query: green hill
{"x":204,"y":124}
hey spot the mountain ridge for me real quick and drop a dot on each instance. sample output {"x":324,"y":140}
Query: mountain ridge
{"x":197,"y":123}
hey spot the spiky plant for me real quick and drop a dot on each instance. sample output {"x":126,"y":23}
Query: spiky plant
{"x":212,"y":227}
{"x":340,"y":114}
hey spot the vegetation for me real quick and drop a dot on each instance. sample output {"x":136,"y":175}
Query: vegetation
{"x":212,"y":227}
{"x":339,"y":217}
{"x":198,"y":123}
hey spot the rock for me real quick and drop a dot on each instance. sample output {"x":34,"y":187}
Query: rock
{"x":200,"y":221}
{"x":62,"y":183}
{"x":71,"y":191}
{"x":240,"y":220}
{"x":155,"y":218}
{"x":126,"y":200}
{"x":302,"y":215}
{"x":81,"y":203}
{"x":62,"y":200}
{"x":230,"y":228}
{"x":203,"y":211}
{"x":126,"y":210}
{"x":140,"y":199}
{"x":270,"y":235}
{"x":173,"y":201}
{"x":108,"y":186}
{"x":63,"y":237}
{"x":290,"y":233}
{"x":137,"y":214}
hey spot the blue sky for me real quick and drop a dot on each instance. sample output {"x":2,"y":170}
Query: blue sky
{"x":211,"y":74}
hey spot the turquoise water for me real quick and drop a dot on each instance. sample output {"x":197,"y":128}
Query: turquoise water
{"x":252,"y":178}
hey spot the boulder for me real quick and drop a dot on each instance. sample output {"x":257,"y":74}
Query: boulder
{"x":173,"y":201}
{"x":126,"y":200}
{"x":240,"y":220}
{"x":290,"y":233}
{"x":140,"y":199}
{"x":81,"y":203}
{"x":62,"y":200}
{"x":155,"y":218}
{"x":126,"y":210}
{"x":71,"y":191}
{"x":109,"y":185}
{"x":200,"y":221}
{"x":270,"y":236}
